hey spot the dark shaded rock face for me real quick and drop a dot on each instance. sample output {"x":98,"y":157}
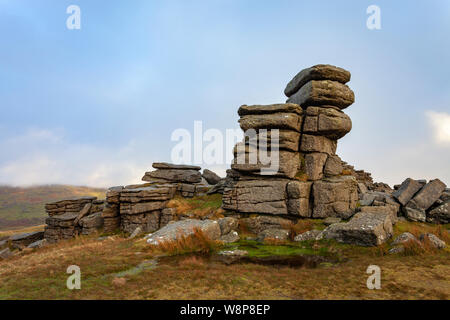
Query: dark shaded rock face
{"x":211,"y":177}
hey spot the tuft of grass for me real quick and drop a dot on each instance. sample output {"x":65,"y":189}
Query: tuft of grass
{"x":197,"y":242}
{"x":199,"y":206}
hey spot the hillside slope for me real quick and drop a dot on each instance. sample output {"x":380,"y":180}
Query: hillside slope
{"x":23,"y":207}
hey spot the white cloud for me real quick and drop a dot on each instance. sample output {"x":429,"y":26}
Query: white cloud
{"x":440,"y":123}
{"x":43,"y":156}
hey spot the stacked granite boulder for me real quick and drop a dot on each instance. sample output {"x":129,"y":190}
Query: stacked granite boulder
{"x":309,"y":180}
{"x":71,"y":217}
{"x":422,"y":201}
{"x":187,"y":179}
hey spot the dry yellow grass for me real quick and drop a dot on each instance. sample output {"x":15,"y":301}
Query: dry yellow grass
{"x":41,"y":274}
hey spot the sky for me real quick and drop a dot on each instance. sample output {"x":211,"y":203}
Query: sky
{"x":98,"y":105}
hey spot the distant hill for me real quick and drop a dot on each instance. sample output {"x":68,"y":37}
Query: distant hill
{"x":24,"y":207}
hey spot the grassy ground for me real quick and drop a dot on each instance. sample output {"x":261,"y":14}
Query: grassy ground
{"x":116,"y":268}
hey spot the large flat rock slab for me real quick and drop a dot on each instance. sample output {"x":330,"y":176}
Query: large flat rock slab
{"x":272,"y":108}
{"x":364,"y":229}
{"x":185,"y":228}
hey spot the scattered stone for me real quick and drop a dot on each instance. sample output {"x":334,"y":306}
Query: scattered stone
{"x":236,"y":252}
{"x":135,"y":233}
{"x":5,"y":254}
{"x":309,"y":235}
{"x":228,"y":224}
{"x":396,"y":250}
{"x":273,"y":234}
{"x":211,"y":177}
{"x":230,"y":237}
{"x":404,"y":237}
{"x":433,"y":240}
{"x":38,"y":244}
{"x":22,"y":240}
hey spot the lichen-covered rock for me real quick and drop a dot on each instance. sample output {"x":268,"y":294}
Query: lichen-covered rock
{"x":433,"y":240}
{"x":407,"y":190}
{"x":230,"y":237}
{"x":185,"y":228}
{"x":333,"y":166}
{"x":211,"y":177}
{"x":308,"y":235}
{"x":257,"y":196}
{"x":364,"y":229}
{"x":228,"y":224}
{"x":289,"y":121}
{"x":428,"y":195}
{"x":404,"y":237}
{"x":317,"y":72}
{"x":273,"y":234}
{"x":284,"y":164}
{"x":282,"y":139}
{"x":173,"y":175}
{"x":298,"y":193}
{"x":440,"y":214}
{"x":322,"y":93}
{"x":335,"y":197}
{"x":327,"y":121}
{"x":314,"y":165}
{"x":311,"y":143}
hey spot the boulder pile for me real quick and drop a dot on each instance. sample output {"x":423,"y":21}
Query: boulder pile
{"x":308,"y":180}
{"x":71,"y":217}
{"x":421,"y":201}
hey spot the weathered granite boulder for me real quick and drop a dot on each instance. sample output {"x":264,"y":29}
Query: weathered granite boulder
{"x":364,"y":229}
{"x":403,"y":238}
{"x":317,"y":72}
{"x":298,"y":193}
{"x":314,"y":165}
{"x":407,"y":190}
{"x":333,"y":166}
{"x":440,"y":214}
{"x":228,"y":224}
{"x":230,"y":237}
{"x":173,"y":175}
{"x":67,"y":205}
{"x":257,"y":196}
{"x":5,"y":254}
{"x":433,"y":240}
{"x":185,"y":228}
{"x":283,"y":140}
{"x":38,"y":244}
{"x":428,"y":195}
{"x":211,"y":177}
{"x":288,"y":121}
{"x":22,"y":240}
{"x":311,"y":143}
{"x":286,"y":164}
{"x":335,"y":197}
{"x":327,"y":121}
{"x":322,"y":93}
{"x":413,"y":212}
